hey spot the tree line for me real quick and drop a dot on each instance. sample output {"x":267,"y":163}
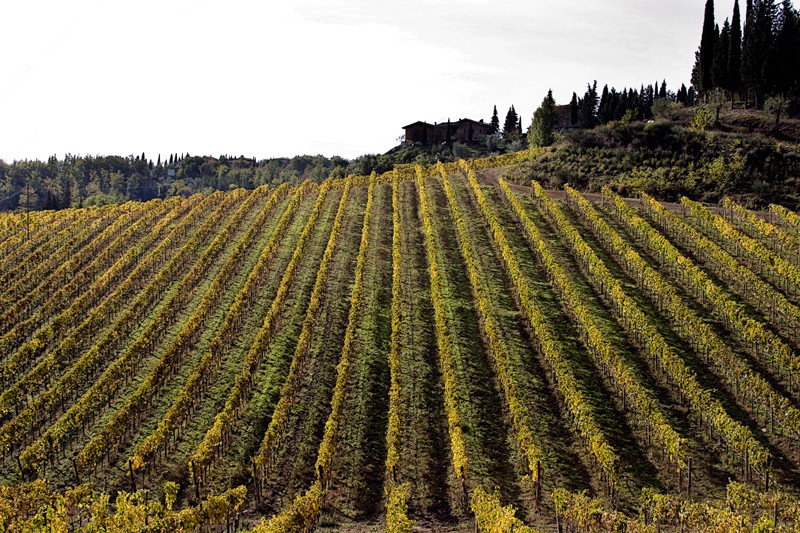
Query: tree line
{"x":593,"y":109}
{"x":756,"y":61}
{"x":78,"y":181}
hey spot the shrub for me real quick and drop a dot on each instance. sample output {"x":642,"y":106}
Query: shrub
{"x":665,"y":108}
{"x":702,"y":118}
{"x":629,"y":116}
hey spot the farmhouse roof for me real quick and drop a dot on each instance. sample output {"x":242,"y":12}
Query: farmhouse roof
{"x":418,"y":122}
{"x":452,"y":122}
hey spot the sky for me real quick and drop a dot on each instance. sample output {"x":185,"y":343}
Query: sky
{"x":340,"y":77}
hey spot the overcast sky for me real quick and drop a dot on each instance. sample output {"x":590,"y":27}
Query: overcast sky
{"x":267,"y":79}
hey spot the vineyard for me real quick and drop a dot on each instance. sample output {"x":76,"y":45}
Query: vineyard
{"x":431,"y":349}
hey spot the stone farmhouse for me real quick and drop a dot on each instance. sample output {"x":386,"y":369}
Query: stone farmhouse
{"x":463,"y":130}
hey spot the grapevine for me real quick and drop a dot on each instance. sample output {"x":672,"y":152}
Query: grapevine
{"x":738,"y":437}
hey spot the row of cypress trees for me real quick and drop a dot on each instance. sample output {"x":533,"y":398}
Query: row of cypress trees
{"x":753,"y":61}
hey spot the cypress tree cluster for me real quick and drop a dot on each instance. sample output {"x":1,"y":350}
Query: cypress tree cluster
{"x":511,"y":125}
{"x":626,"y":105}
{"x":751,"y":62}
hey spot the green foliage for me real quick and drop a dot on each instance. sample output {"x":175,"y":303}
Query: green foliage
{"x":96,"y":181}
{"x":701,"y":119}
{"x":494,"y":124}
{"x":735,"y":51}
{"x":510,"y":126}
{"x":725,"y":173}
{"x":715,"y":100}
{"x":630,"y":115}
{"x":543,"y":124}
{"x":588,"y":107}
{"x":665,"y":108}
{"x":658,"y":129}
{"x":461,"y":151}
{"x":775,"y":107}
{"x":170,"y":494}
{"x":708,"y":42}
{"x":397,"y":520}
{"x":668,"y":161}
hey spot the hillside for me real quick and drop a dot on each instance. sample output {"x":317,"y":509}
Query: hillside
{"x":433,"y":344}
{"x":668,"y":159}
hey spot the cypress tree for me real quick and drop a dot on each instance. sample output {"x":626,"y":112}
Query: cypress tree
{"x":735,"y":53}
{"x":589,"y":106}
{"x":663,"y":92}
{"x":695,"y":77}
{"x":785,"y":60}
{"x":680,"y":97}
{"x":494,"y":126}
{"x":644,"y":102}
{"x":622,"y":105}
{"x":792,"y":50}
{"x":510,"y":124}
{"x":767,"y":23}
{"x":50,"y":201}
{"x":748,"y":36}
{"x":573,"y":110}
{"x":635,"y":103}
{"x":719,"y":71}
{"x":757,"y":55}
{"x":614,"y":103}
{"x":544,"y":122}
{"x":604,"y":111}
{"x":708,"y":42}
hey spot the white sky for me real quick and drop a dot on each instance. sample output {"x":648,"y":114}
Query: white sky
{"x":340,"y":77}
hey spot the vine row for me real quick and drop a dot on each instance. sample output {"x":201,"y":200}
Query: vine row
{"x":194,"y":387}
{"x":490,"y":329}
{"x":443,"y":336}
{"x":642,"y":329}
{"x":116,"y":374}
{"x":217,"y":436}
{"x":759,"y":293}
{"x":396,"y":493}
{"x":265,"y":457}
{"x":772,"y":236}
{"x":14,"y":398}
{"x":761,"y":341}
{"x":785,"y":275}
